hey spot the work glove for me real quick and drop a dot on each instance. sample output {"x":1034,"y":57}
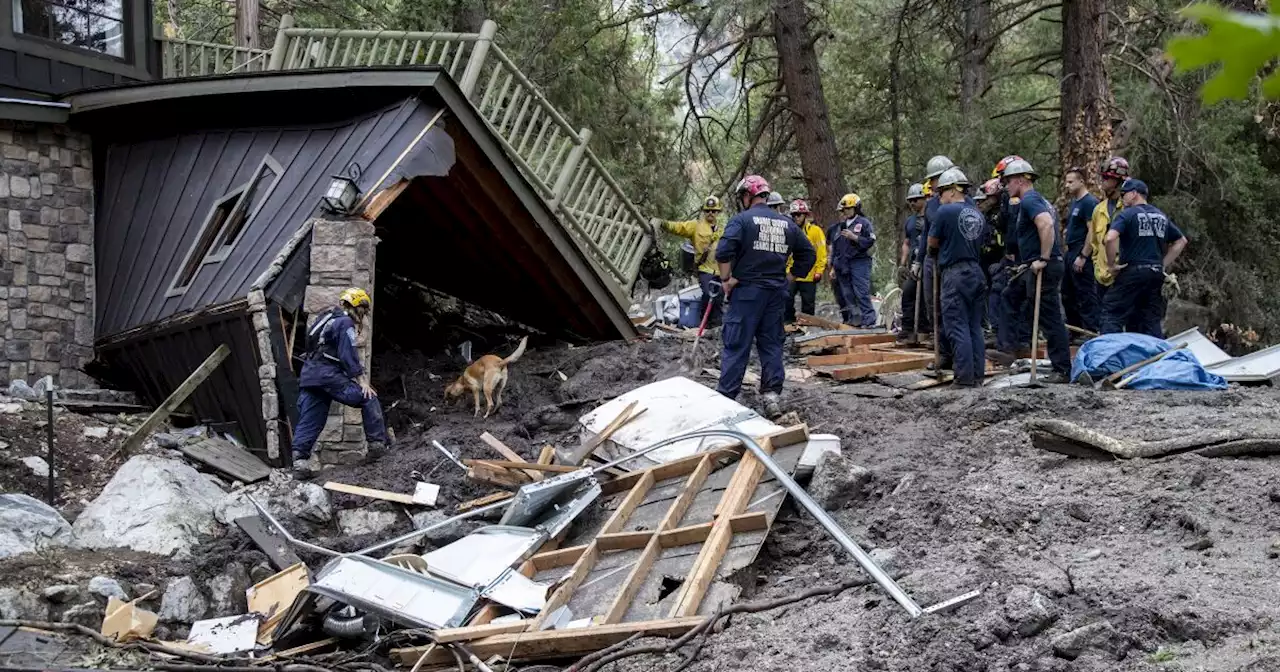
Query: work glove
{"x":915,"y":270}
{"x":1170,"y":288}
{"x":655,"y":223}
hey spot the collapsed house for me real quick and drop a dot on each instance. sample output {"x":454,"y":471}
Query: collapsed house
{"x":163,"y":215}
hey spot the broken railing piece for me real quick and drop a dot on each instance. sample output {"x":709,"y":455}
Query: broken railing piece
{"x":833,"y":528}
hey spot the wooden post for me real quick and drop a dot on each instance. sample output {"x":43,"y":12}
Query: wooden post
{"x":279,"y":51}
{"x":478,"y":53}
{"x":176,"y":399}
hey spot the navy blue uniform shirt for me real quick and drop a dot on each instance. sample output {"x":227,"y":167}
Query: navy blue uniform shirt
{"x":847,"y":251}
{"x":910,"y":229}
{"x":757,"y":242}
{"x":1028,"y":235}
{"x":336,"y":353}
{"x":1009,"y":223}
{"x":1078,"y":220}
{"x":959,"y":228}
{"x":1145,"y":233}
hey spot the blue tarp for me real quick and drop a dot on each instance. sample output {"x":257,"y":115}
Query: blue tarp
{"x":1105,"y":355}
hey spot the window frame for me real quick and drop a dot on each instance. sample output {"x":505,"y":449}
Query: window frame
{"x":214,"y":243}
{"x":126,"y":31}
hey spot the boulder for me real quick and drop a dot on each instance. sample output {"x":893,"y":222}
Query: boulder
{"x":42,"y":386}
{"x":96,"y":432}
{"x":1028,"y":611}
{"x":105,"y":587}
{"x":1101,"y":636}
{"x":183,"y":602}
{"x":838,"y":481}
{"x":357,"y":522}
{"x":151,"y":504}
{"x":27,"y":525}
{"x":227,"y":591}
{"x":19,"y":389}
{"x":21,"y":604}
{"x":37,"y":465}
{"x":89,"y":614}
{"x":887,"y":558}
{"x":61,"y":593}
{"x":283,"y":497}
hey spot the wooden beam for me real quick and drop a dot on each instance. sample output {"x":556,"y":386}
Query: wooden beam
{"x":581,"y":569}
{"x":623,"y":418}
{"x":807,"y":320}
{"x":842,"y":341}
{"x":868,"y":370}
{"x":176,"y":399}
{"x":552,"y":643}
{"x":548,"y":454}
{"x":624,"y":541}
{"x":672,"y":469}
{"x":629,"y":503}
{"x":681,"y":536}
{"x":526,"y":467}
{"x":382,"y":200}
{"x":493,"y":442}
{"x":502,"y":478}
{"x":470,"y":632}
{"x":868,"y":357}
{"x":396,"y":497}
{"x":484,"y":501}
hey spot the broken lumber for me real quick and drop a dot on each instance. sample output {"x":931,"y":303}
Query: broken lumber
{"x":511,"y":455}
{"x":502,"y":478}
{"x":228,"y":458}
{"x":806,"y":320}
{"x":523,"y":466}
{"x":484,"y":501}
{"x":176,"y":399}
{"x":859,"y":371}
{"x":397,"y":497}
{"x":833,"y":341}
{"x":1068,"y":438}
{"x":585,"y":451}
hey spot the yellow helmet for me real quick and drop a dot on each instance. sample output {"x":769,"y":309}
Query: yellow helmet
{"x":712,"y":204}
{"x":928,"y":188}
{"x":849,"y":201}
{"x":355,"y":297}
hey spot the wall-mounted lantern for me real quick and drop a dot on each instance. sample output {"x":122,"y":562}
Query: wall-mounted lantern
{"x":340,"y":198}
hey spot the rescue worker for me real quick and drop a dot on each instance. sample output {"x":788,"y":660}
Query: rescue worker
{"x":1114,"y":172}
{"x":704,"y":233}
{"x":994,"y":261}
{"x":777,"y":203}
{"x":912,"y":228}
{"x":806,"y":286}
{"x":1141,"y":245}
{"x":956,"y":235}
{"x":1040,"y":249}
{"x":1080,"y":289}
{"x":1009,"y":322}
{"x":934,"y":169}
{"x":332,"y":372}
{"x":851,"y":246}
{"x":753,"y":256}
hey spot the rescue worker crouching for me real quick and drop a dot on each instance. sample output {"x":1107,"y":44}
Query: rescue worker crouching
{"x":704,"y":233}
{"x":912,"y":228}
{"x":956,"y":237}
{"x":753,"y":254}
{"x":850,"y":249}
{"x":1141,"y":245}
{"x":806,"y":286}
{"x":332,"y":372}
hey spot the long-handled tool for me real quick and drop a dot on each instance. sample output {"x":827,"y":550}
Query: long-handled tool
{"x":937,"y":324}
{"x":1118,"y":379}
{"x":1035,"y":334}
{"x":919,"y":298}
{"x":689,"y":363}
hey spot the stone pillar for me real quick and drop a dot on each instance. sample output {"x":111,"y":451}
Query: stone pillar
{"x":46,"y":253}
{"x":342,"y":256}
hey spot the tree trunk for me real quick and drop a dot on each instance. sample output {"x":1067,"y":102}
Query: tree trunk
{"x":973,"y":55}
{"x":467,"y":15}
{"x":895,"y":92}
{"x":1084,"y":136}
{"x":798,"y":62}
{"x":247,"y":23}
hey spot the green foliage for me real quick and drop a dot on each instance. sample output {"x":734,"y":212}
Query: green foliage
{"x":1242,"y":43}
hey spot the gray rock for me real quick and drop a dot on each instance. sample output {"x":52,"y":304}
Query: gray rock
{"x":226,"y":591}
{"x":42,"y":386}
{"x":1029,"y":612}
{"x":105,"y":587}
{"x":28,"y":524}
{"x":37,"y":465}
{"x":838,"y":481}
{"x":61,"y":593}
{"x":89,"y":614}
{"x":151,"y":504}
{"x":143,"y":589}
{"x":170,"y":441}
{"x":22,"y":604}
{"x":887,"y":558}
{"x":285,"y":498}
{"x":357,"y":522}
{"x":444,"y":535}
{"x":183,"y":602}
{"x":19,"y":389}
{"x":1101,"y":636}
{"x":96,"y":432}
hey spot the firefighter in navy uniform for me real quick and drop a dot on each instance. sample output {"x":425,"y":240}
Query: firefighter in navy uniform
{"x":956,"y":236}
{"x":332,"y":372}
{"x":753,"y":254}
{"x":912,"y":228}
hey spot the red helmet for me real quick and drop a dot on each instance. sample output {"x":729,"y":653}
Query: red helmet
{"x":1116,"y":168}
{"x":753,"y":185}
{"x":991,"y":187}
{"x":999,"y":169}
{"x":799,"y":207}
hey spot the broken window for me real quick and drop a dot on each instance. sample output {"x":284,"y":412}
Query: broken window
{"x":226,"y":222}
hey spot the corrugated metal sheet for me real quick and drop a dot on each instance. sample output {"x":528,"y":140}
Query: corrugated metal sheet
{"x":1204,"y":349}
{"x":157,"y":192}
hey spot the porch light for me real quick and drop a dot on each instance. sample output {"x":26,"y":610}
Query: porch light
{"x":342,"y":193}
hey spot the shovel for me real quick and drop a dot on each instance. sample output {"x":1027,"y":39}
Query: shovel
{"x":1035,"y":333}
{"x":689,"y":364}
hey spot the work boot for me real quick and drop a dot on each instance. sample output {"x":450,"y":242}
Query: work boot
{"x":947,"y":365}
{"x":1001,"y":357}
{"x":303,"y":469}
{"x":375,"y":449}
{"x":772,"y":405}
{"x":1056,"y":378}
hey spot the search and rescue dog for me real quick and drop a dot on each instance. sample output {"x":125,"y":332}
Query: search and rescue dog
{"x":489,"y":373}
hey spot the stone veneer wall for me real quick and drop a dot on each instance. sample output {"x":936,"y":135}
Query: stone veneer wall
{"x":342,"y":256}
{"x":46,"y":252}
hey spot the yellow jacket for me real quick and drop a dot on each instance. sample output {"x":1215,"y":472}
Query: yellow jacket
{"x":819,"y":239}
{"x":1100,"y":223}
{"x":704,"y":236}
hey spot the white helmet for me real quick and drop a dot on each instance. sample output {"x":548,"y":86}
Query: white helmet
{"x":936,"y":166}
{"x":916,"y":191}
{"x":1019,"y":167}
{"x":952,"y":177}
{"x":775,"y":199}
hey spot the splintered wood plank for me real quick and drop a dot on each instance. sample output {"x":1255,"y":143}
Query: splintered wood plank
{"x":397,"y":497}
{"x":672,"y":469}
{"x":548,"y":454}
{"x":526,"y":467}
{"x":176,"y":399}
{"x":511,"y":455}
{"x":868,"y":370}
{"x":868,"y":357}
{"x":228,"y":458}
{"x":484,"y":501}
{"x":807,"y":320}
{"x":843,"y":341}
{"x":552,"y":643}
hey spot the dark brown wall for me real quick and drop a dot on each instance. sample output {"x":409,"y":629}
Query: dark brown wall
{"x":36,"y":68}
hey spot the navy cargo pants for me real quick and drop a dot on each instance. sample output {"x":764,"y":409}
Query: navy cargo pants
{"x":314,"y":400}
{"x":1134,"y":303}
{"x":1080,"y":294}
{"x":855,"y":284}
{"x":1052,"y":325}
{"x":754,"y":315}
{"x":964,"y":291}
